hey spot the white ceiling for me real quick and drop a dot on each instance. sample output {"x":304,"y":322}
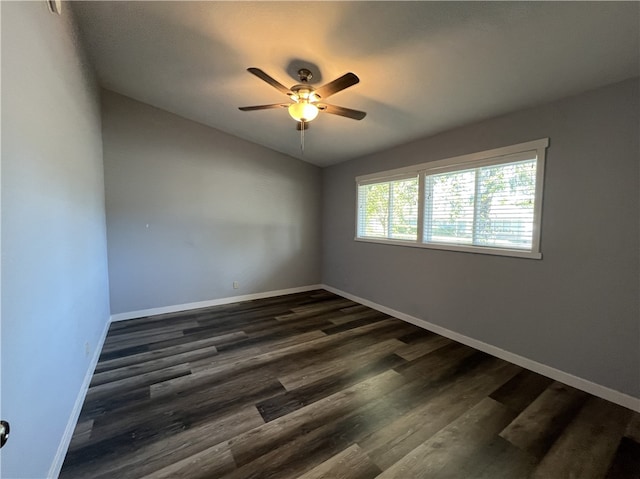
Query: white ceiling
{"x":424,"y":67}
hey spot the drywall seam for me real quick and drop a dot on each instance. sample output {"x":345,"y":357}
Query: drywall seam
{"x":579,"y":383}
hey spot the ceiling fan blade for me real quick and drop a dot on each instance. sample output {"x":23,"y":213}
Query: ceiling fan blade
{"x":339,"y":84}
{"x":263,"y":107}
{"x":342,"y":111}
{"x":300,"y":123}
{"x":271,"y":81}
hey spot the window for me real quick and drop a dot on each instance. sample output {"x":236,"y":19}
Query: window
{"x":486,"y":202}
{"x":389,"y":209}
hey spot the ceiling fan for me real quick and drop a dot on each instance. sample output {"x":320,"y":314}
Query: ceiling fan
{"x":307,"y":101}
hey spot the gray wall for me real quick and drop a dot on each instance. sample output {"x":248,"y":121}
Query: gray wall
{"x":576,"y":309}
{"x":54,"y":257}
{"x":190,"y":210}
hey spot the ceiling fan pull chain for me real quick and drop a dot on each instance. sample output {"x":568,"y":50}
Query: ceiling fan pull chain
{"x":302,"y":137}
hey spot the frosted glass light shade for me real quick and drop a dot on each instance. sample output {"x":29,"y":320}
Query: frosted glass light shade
{"x":303,"y":111}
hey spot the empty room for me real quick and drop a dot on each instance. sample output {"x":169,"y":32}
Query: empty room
{"x":312,"y":240}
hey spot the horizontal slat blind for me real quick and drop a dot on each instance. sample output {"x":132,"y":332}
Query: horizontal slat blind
{"x":490,"y":206}
{"x":450,"y":207}
{"x":504,"y":206}
{"x":374,"y":210}
{"x":389,"y":209}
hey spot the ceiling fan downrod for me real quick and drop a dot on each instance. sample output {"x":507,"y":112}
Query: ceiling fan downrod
{"x":305,"y":75}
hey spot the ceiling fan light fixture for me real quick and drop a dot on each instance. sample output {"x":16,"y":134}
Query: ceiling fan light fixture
{"x":305,"y":98}
{"x":303,"y":111}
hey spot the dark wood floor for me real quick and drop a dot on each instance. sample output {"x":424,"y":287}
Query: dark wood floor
{"x":315,"y":386}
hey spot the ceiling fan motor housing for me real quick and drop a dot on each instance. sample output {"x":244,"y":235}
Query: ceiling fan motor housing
{"x":303,"y":93}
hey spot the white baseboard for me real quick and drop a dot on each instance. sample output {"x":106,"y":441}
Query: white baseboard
{"x":63,"y":447}
{"x":603,"y":392}
{"x":214,"y":302}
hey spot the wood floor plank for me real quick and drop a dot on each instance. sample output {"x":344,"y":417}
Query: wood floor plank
{"x":258,"y":343}
{"x":301,"y":453}
{"x":499,"y":459}
{"x":138,"y":460}
{"x":357,"y":315}
{"x":81,"y":434}
{"x":144,"y":367}
{"x":212,"y":462}
{"x":331,"y":304}
{"x":265,"y":325}
{"x":626,"y":462}
{"x":124,"y":426}
{"x":633,"y":428}
{"x":417,"y":334}
{"x":290,"y":401}
{"x":318,"y":444}
{"x":587,"y":447}
{"x":356,"y":308}
{"x":145,"y":460}
{"x":216,"y":325}
{"x":340,"y":365}
{"x":140,"y":341}
{"x":256,"y":442}
{"x":449,"y":447}
{"x":436,"y":410}
{"x":242,"y":364}
{"x":440,"y":362}
{"x":521,"y":390}
{"x":303,"y":360}
{"x":181,"y":446}
{"x":229,"y":356}
{"x":311,"y":311}
{"x":107,"y":405}
{"x":143,"y":380}
{"x":165,"y":352}
{"x":352,"y":463}
{"x":422,"y":347}
{"x":319,"y":357}
{"x":333,"y":328}
{"x":538,"y":426}
{"x":141,"y":335}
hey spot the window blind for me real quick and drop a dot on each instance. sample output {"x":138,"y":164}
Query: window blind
{"x":389,"y":209}
{"x":490,"y":206}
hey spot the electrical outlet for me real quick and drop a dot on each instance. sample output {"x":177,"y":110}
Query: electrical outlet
{"x":236,"y":285}
{"x":87,"y":349}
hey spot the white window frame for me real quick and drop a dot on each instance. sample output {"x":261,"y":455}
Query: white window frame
{"x":497,"y":156}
